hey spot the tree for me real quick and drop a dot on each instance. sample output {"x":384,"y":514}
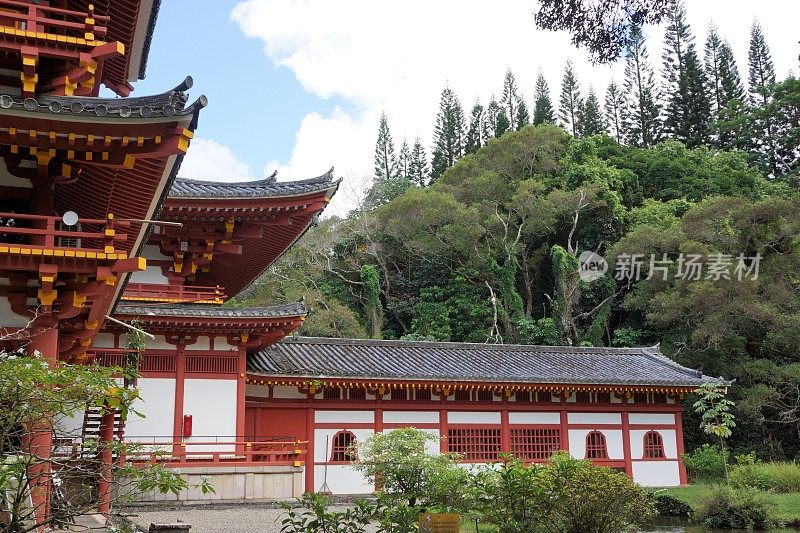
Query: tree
{"x":570,"y":101}
{"x":419,"y":173}
{"x":371,"y":294}
{"x":475,"y":131}
{"x":385,"y":159}
{"x":603,"y":27}
{"x":523,"y":117}
{"x":590,"y":118}
{"x":510,"y":100}
{"x":641,"y":112}
{"x":614,"y":105}
{"x":448,"y":134}
{"x":403,"y":166}
{"x":489,"y":125}
{"x":761,"y":69}
{"x":730,"y":80}
{"x":714,"y":410}
{"x":713,"y":66}
{"x":543,"y":106}
{"x":688,"y":108}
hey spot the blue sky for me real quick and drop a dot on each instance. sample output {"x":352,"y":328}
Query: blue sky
{"x":254,"y":106}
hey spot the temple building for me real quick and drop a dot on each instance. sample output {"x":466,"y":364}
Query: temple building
{"x":98,"y":232}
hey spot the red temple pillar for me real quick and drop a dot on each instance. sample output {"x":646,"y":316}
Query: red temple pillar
{"x":626,"y":442}
{"x":105,"y":457}
{"x":241,"y":393}
{"x":679,"y":444}
{"x":563,"y":422}
{"x":180,"y":378}
{"x":309,"y":481}
{"x":505,"y":431}
{"x":38,"y":440}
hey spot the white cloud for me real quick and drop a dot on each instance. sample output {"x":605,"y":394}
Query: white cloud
{"x":397,"y":56}
{"x":207,"y":159}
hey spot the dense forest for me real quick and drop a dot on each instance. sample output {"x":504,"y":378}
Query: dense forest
{"x":483,"y":243}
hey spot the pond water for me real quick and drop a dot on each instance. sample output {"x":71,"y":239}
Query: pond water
{"x":668,"y":524}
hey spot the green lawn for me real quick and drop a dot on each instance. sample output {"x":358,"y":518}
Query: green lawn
{"x":788,"y":504}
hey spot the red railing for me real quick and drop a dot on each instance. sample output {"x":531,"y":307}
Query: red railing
{"x":44,"y":19}
{"x":212,"y":364}
{"x":148,"y":362}
{"x":20,"y":230}
{"x":279,"y":452}
{"x":173,"y":293}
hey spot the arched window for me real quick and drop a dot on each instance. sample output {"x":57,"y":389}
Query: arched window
{"x":596,"y":446}
{"x":343,"y":449}
{"x":653,"y":445}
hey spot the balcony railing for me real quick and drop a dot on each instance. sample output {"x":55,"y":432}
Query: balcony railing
{"x":152,"y":292}
{"x":38,"y":18}
{"x":34,"y":234}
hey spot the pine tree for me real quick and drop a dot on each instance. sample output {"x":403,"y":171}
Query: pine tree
{"x":641,"y":123}
{"x":730,"y":81}
{"x":590,"y":119}
{"x":475,"y":130}
{"x":543,"y":106}
{"x":613,"y":107}
{"x":403,"y":161}
{"x":502,"y":124}
{"x":570,"y":100}
{"x":418,"y":171}
{"x":713,"y":66}
{"x":688,"y":109}
{"x":449,"y":133}
{"x":489,"y":123}
{"x":523,"y":117}
{"x":510,"y":100}
{"x":762,"y":70}
{"x":385,"y":159}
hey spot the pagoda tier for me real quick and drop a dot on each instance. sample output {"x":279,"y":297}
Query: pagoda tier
{"x":70,"y":47}
{"x":109,"y":161}
{"x":231,"y":233}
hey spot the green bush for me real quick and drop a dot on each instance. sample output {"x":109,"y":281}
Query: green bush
{"x":736,"y":508}
{"x":706,"y":463}
{"x":777,"y":477}
{"x":667,"y":505}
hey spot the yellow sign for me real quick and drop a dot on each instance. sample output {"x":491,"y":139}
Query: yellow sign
{"x":439,"y":523}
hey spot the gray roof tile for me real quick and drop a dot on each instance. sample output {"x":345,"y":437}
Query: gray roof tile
{"x":413,"y":360}
{"x":211,"y":311}
{"x":268,"y":187}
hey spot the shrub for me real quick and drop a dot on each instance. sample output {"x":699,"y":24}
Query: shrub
{"x":311,"y":514}
{"x":736,"y":508}
{"x":668,"y":505}
{"x":706,"y":463}
{"x":777,"y":477}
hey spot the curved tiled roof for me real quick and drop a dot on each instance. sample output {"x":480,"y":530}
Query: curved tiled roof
{"x":268,"y":187}
{"x":211,"y":311}
{"x":414,"y":360}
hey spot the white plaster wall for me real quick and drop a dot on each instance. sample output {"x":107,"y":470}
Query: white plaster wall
{"x":322,"y":453}
{"x":534,"y":418}
{"x":159,"y":343}
{"x":104,"y":340}
{"x":656,"y":473}
{"x":152,"y":274}
{"x":651,"y":418}
{"x":667,"y":435}
{"x":69,"y":426}
{"x":342,"y":479}
{"x":411,"y":417}
{"x":9,"y":180}
{"x":221,"y":343}
{"x":577,"y":443}
{"x":288,"y":393}
{"x":157,"y":403}
{"x":262,"y":391}
{"x":345,"y":417}
{"x":212,"y":404}
{"x":594,"y":418}
{"x":473,"y":417}
{"x":202,"y":343}
{"x":9,"y":318}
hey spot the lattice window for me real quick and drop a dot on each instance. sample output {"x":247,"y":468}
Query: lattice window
{"x":475,"y":445}
{"x":422,"y":394}
{"x":596,"y":446}
{"x":485,"y":396}
{"x":544,"y":396}
{"x":399,"y":394}
{"x":653,"y":445}
{"x":331,"y":393}
{"x":660,"y":398}
{"x":462,"y":395}
{"x":523,"y":396}
{"x":583,"y":397}
{"x":357,"y":394}
{"x":603,"y":397}
{"x":343,"y":449}
{"x":640,"y":397}
{"x":535,"y":444}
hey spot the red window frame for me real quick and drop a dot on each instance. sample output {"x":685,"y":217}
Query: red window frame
{"x":653,"y":446}
{"x":475,"y":444}
{"x":341,"y":451}
{"x":535,"y":444}
{"x":596,"y":445}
